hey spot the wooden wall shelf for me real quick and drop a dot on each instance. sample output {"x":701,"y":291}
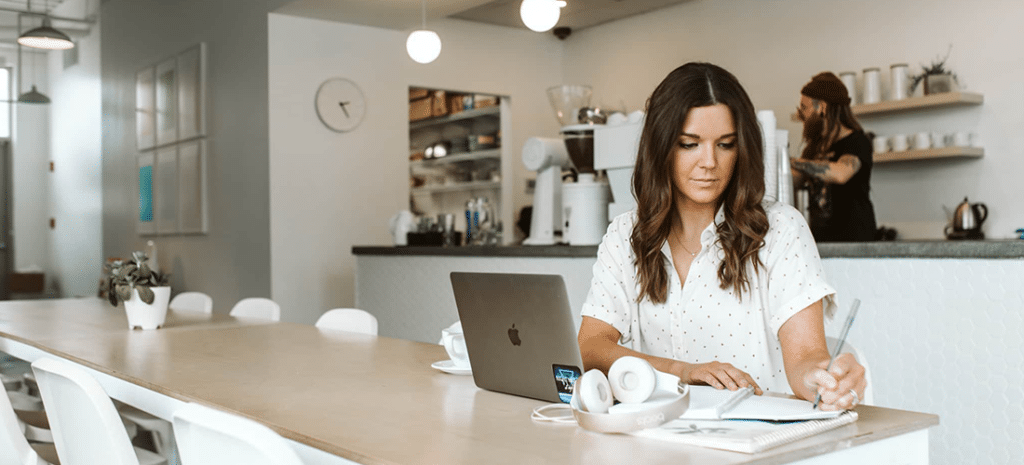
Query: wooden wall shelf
{"x":466,"y":114}
{"x":945,"y":152}
{"x":946,"y":99}
{"x":490,"y":154}
{"x":458,"y":187}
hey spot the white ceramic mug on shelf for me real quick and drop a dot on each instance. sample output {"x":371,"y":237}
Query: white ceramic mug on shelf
{"x":961,"y":139}
{"x":899,"y":143}
{"x":922,"y":141}
{"x":938,"y":141}
{"x":880,"y":144}
{"x":455,"y":344}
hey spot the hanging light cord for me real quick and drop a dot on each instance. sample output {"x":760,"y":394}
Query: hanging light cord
{"x":424,"y":4}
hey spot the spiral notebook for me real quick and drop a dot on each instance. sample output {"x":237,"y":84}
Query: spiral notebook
{"x":708,"y":403}
{"x":747,"y":436}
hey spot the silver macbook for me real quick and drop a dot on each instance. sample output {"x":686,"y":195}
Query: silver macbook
{"x":519,"y":333}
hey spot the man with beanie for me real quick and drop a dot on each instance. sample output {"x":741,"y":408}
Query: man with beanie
{"x":835,"y":165}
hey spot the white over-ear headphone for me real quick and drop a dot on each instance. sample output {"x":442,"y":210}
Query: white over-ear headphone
{"x":647,"y":397}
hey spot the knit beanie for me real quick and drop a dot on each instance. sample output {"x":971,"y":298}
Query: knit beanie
{"x":826,"y":87}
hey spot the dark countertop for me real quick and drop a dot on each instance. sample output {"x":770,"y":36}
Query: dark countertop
{"x":1009,"y":248}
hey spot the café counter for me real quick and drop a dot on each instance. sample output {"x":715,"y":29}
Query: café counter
{"x":929,"y":308}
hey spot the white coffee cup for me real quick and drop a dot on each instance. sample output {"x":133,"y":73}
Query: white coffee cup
{"x":938,"y":141}
{"x":881,"y":144}
{"x":899,"y":143}
{"x":922,"y":141}
{"x":455,"y":344}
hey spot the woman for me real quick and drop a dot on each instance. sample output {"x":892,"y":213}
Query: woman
{"x":702,"y":280}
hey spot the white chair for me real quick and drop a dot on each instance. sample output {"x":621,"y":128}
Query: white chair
{"x":14,"y":448}
{"x":196,"y":302}
{"x":257,"y":307}
{"x":212,"y":437}
{"x":86,"y":427}
{"x":159,"y":429}
{"x":348,"y":319}
{"x":10,"y":382}
{"x":869,"y":397}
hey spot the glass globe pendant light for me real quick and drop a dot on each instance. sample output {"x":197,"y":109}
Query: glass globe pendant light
{"x":423,"y":45}
{"x":540,"y":15}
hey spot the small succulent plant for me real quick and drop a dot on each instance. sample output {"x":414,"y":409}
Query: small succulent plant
{"x":938,"y":66}
{"x":133,"y":274}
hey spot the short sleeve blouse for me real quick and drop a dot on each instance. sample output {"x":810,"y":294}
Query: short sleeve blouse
{"x":701,"y":322}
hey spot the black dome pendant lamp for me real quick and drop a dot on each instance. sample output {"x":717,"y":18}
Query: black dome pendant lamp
{"x":45,"y":36}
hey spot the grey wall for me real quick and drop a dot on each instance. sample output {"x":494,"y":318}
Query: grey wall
{"x":232,"y":261}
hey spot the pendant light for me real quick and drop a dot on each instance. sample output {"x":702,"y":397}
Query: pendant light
{"x":33,"y":96}
{"x":423,"y":45}
{"x":540,"y":15}
{"x":45,"y":36}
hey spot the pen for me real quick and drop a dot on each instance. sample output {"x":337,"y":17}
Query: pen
{"x":842,"y":340}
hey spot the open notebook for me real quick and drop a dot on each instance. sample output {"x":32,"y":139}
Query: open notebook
{"x":742,"y":422}
{"x":748,"y":436}
{"x":708,"y":403}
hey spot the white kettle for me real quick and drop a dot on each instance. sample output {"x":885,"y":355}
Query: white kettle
{"x":401,"y":224}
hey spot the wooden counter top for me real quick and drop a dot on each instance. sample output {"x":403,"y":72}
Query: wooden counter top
{"x":374,"y":399}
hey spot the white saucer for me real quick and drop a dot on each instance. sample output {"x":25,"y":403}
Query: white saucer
{"x":449,"y":367}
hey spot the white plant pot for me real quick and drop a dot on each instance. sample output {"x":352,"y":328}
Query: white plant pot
{"x":148,"y":316}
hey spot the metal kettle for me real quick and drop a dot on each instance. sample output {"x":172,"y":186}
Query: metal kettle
{"x":968,"y":217}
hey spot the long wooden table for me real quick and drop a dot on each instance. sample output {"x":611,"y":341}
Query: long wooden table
{"x":343,"y":397}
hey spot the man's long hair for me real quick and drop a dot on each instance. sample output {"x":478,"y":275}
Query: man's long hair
{"x":742,"y":233}
{"x":821,"y":132}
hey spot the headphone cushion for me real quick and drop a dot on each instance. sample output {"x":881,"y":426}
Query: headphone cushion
{"x":595,"y":395}
{"x":632,"y":379}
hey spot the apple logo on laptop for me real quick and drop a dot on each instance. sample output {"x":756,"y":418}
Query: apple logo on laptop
{"x":513,"y":335}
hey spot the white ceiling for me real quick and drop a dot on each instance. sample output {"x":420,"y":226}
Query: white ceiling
{"x":406,"y":14}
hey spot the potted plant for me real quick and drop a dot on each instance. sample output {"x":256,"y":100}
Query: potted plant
{"x":937,"y":79}
{"x":145,"y":292}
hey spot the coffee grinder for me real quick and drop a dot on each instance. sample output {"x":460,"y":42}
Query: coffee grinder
{"x":585,"y":201}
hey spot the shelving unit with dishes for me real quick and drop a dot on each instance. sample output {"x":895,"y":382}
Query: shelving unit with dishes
{"x":455,"y":151}
{"x":927,"y":102}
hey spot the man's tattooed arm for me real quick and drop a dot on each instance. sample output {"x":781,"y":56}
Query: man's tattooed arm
{"x":837,"y":172}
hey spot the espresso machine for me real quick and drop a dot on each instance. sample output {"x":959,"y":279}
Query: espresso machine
{"x":583,"y":203}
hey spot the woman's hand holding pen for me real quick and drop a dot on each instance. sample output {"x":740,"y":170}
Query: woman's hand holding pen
{"x":842,"y":386}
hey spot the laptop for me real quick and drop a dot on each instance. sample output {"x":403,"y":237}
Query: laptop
{"x":520,"y":333}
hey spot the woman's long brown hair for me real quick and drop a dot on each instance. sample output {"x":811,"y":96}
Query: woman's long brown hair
{"x":742,"y":233}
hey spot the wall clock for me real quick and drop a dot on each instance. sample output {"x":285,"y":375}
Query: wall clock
{"x":340,"y":104}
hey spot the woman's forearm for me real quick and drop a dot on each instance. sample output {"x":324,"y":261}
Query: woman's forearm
{"x":600,"y":353}
{"x":798,"y":375}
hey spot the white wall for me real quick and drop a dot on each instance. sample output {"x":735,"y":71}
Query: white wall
{"x":775,"y":46}
{"x":232,"y":261}
{"x":330,"y":191}
{"x":30,"y":156}
{"x":943,"y":336}
{"x":75,"y":198}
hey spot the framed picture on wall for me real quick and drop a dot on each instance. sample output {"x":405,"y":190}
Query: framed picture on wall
{"x":192,"y":92}
{"x":166,"y":187}
{"x":167,"y":102}
{"x":192,"y":187}
{"x":146,"y":223}
{"x":145,"y":103}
